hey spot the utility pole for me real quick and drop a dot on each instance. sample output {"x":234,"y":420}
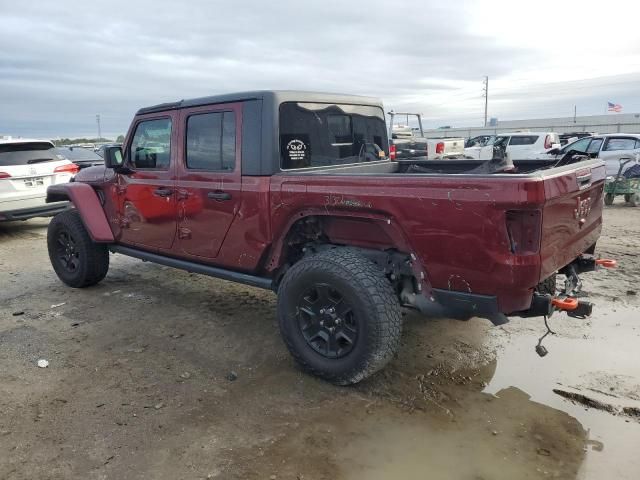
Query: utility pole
{"x":486,"y":98}
{"x":98,"y":122}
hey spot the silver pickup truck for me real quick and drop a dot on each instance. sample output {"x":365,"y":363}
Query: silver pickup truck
{"x":411,"y":143}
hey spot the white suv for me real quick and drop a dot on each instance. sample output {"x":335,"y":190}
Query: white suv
{"x":27,"y":168}
{"x":520,"y":145}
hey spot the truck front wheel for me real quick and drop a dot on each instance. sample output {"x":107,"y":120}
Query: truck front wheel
{"x":77,"y":260}
{"x":339,"y":315}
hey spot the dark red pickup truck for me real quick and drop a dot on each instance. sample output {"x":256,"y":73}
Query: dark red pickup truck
{"x":294,"y":191}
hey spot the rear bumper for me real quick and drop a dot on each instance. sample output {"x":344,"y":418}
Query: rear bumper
{"x":455,"y":304}
{"x":46,"y":210}
{"x":464,"y":305}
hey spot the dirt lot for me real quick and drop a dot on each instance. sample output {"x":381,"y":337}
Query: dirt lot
{"x":141,"y":383}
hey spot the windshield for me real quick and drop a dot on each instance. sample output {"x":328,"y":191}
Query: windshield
{"x":320,"y":134}
{"x":27,"y":153}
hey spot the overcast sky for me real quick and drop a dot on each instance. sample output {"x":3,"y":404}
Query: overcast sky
{"x":63,"y":62}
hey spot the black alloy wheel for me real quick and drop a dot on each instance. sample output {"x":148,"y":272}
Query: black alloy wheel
{"x":327,"y":321}
{"x":66,"y":251}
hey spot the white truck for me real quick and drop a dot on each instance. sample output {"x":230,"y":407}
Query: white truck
{"x":519,"y":145}
{"x":410,"y":143}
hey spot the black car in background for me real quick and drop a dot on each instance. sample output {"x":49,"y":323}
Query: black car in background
{"x":83,"y":157}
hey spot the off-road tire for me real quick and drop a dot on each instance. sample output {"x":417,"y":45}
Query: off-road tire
{"x":608,"y":199}
{"x":92,"y":258}
{"x":362,"y":283}
{"x":627,"y":197}
{"x":634,"y":201}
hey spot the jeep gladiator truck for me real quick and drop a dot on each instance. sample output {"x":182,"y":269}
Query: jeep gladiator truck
{"x":295,"y":192}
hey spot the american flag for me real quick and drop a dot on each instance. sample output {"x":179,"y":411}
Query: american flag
{"x":614,"y":107}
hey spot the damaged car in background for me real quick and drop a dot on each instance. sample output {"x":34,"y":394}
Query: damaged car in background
{"x":296,"y":192}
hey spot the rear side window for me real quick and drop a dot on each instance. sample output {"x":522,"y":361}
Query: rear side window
{"x":151,"y":144}
{"x":620,"y":144}
{"x":211,"y":141}
{"x":524,"y":140}
{"x":324,"y":134}
{"x":12,"y":154}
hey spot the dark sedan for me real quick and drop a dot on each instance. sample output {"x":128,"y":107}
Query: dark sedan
{"x":83,"y":157}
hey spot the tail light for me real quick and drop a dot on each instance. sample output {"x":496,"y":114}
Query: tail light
{"x":4,"y":175}
{"x":392,"y":152}
{"x":548,"y":143}
{"x":440,"y":147}
{"x":523,"y":231}
{"x":71,"y":168}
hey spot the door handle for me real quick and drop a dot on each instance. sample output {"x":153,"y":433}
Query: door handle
{"x":163,"y":192}
{"x":219,"y":196}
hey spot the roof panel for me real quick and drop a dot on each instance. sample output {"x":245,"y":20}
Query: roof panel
{"x":278,"y":96}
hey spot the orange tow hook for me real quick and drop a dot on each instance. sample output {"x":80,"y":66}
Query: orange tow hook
{"x":606,"y":263}
{"x":568,"y":303}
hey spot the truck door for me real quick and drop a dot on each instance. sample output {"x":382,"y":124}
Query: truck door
{"x":209,"y":177}
{"x":147,"y":202}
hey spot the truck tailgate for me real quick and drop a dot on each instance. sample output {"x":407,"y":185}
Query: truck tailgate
{"x":572,"y":214}
{"x":454,"y":146}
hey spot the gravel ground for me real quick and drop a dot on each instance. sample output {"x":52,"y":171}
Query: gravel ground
{"x":161,"y":374}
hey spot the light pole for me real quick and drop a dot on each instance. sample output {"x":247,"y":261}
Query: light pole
{"x":486,"y":98}
{"x":98,"y":122}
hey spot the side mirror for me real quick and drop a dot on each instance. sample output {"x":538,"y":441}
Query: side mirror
{"x":113,"y":157}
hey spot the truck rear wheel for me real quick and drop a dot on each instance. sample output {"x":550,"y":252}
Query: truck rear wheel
{"x":77,"y":260}
{"x":634,"y":200}
{"x":339,"y":316}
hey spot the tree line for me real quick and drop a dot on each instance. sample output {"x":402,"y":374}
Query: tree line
{"x":74,"y":141}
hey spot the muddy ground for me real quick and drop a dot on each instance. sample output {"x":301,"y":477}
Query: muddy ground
{"x":140,"y":383}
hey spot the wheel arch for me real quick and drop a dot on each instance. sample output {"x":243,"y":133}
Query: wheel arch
{"x":371,"y":232}
{"x":86,"y":201}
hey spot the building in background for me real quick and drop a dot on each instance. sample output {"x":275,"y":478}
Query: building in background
{"x":619,"y":123}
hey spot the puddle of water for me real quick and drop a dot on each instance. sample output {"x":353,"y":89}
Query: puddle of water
{"x":607,"y":359}
{"x":491,"y":437}
{"x":517,"y":427}
{"x":408,"y":451}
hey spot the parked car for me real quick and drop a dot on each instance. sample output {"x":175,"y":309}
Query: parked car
{"x":411,"y":143}
{"x":520,"y":145}
{"x":83,"y":157}
{"x":610,"y":147}
{"x":27,"y":168}
{"x":296,"y":193}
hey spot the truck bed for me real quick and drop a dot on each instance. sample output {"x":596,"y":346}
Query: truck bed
{"x":492,"y":234}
